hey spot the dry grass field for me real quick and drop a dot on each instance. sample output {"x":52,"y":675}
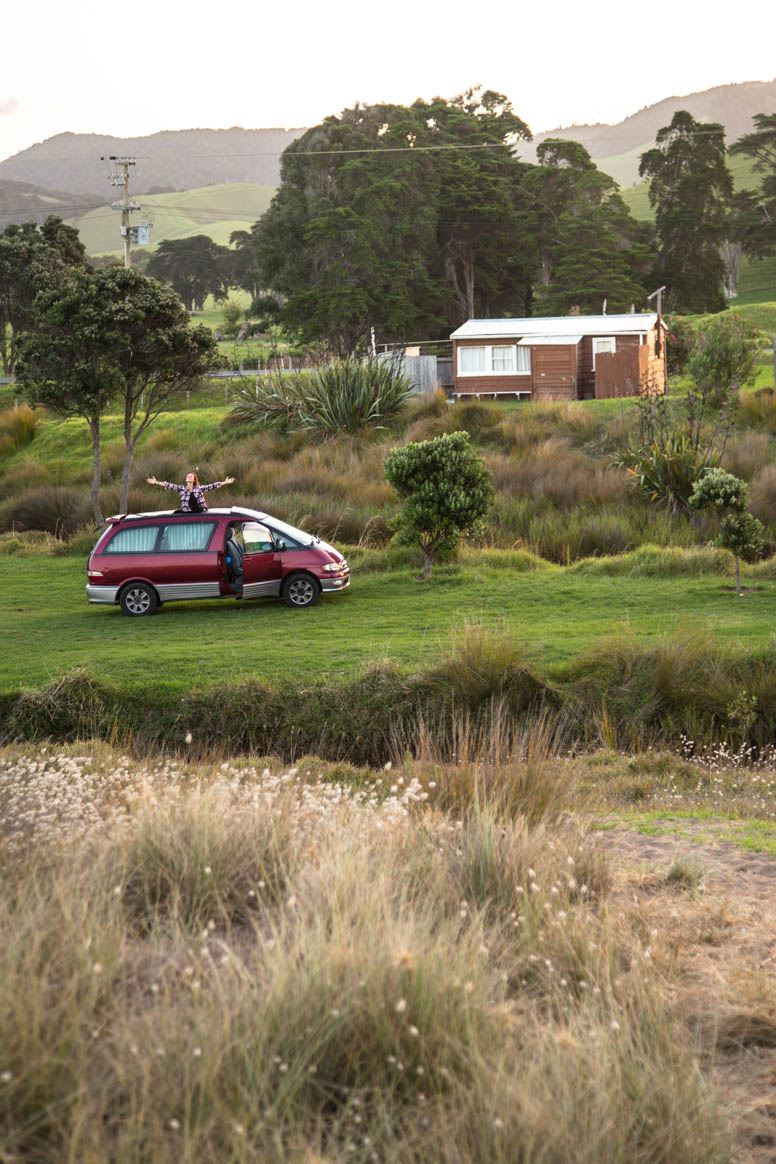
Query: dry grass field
{"x":236,"y":960}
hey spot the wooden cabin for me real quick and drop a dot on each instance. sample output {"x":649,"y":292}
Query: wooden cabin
{"x":568,"y":357}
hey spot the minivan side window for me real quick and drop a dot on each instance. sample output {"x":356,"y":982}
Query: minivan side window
{"x":186,"y":536}
{"x":257,"y":538}
{"x":139,"y":539}
{"x":288,"y":542}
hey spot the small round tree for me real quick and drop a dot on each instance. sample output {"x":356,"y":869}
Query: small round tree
{"x":740,"y":532}
{"x":723,"y":358}
{"x":446,"y":491}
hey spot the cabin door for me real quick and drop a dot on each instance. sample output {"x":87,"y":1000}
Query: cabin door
{"x":554,"y":372}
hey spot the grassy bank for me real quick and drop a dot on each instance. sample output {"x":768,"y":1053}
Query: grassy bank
{"x":681,"y":690}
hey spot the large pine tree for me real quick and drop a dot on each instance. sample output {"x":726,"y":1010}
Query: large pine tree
{"x":691,"y":190}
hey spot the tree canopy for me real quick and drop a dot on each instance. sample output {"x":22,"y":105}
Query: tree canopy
{"x":585,"y":247}
{"x":412,"y":219}
{"x":690,"y":187}
{"x":195,"y":267}
{"x":757,"y":211}
{"x":32,"y":259}
{"x":107,"y":334}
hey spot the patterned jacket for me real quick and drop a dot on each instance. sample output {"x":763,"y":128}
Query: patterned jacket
{"x":185,"y":494}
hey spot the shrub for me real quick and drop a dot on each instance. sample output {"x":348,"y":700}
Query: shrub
{"x":740,"y":532}
{"x":445,"y":489}
{"x":57,"y":509}
{"x":680,"y":341}
{"x":721,"y":491}
{"x":724,"y":357}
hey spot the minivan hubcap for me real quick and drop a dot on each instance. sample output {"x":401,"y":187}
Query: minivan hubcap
{"x":138,"y":601}
{"x":301,"y":592}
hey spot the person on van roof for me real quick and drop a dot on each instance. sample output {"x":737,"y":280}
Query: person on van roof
{"x":192,"y":494}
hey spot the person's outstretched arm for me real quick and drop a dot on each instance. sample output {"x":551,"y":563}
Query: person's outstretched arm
{"x":164,"y":484}
{"x":217,"y":484}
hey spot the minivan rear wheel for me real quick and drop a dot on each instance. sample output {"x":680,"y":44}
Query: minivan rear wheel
{"x":300,"y":590}
{"x":138,"y":598}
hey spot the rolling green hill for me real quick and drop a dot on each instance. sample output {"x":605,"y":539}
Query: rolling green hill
{"x":212,"y":210}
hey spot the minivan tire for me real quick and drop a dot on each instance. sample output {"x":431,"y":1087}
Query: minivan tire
{"x":138,"y":598}
{"x":300,"y":590}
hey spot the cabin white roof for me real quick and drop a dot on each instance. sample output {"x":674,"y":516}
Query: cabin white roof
{"x":557,"y":326}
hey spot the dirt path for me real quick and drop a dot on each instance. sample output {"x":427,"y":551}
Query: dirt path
{"x":714,"y":909}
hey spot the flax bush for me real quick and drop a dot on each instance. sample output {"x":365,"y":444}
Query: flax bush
{"x":344,"y":396}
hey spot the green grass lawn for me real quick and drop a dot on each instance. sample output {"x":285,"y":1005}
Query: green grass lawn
{"x":50,"y":629}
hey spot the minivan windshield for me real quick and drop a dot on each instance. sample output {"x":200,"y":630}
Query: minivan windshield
{"x":289,"y":531}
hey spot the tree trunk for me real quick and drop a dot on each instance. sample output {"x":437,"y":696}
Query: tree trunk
{"x":428,"y":562}
{"x":731,"y":252}
{"x":124,"y":492}
{"x":129,"y":453}
{"x":94,"y":425}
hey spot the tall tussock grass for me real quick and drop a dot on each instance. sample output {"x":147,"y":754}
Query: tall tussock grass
{"x":684,"y":690}
{"x":510,"y":768}
{"x":416,"y":986}
{"x":18,"y":426}
{"x":758,"y":409}
{"x":57,"y":509}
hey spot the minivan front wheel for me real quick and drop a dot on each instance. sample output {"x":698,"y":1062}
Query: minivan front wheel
{"x":138,"y":598}
{"x":300,"y":590}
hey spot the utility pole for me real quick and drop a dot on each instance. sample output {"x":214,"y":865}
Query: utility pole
{"x":137,"y":234}
{"x":658,"y":333}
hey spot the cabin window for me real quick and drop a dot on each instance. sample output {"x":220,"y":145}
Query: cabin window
{"x":494,"y":360}
{"x":471,"y":360}
{"x":502,"y":359}
{"x":602,"y":343}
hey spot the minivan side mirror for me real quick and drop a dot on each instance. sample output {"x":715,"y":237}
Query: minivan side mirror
{"x":280,"y":544}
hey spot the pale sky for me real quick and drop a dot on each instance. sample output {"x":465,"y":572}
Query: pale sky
{"x":103,"y":67}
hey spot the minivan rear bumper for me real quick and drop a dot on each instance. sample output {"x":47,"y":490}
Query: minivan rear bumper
{"x":106,"y":594}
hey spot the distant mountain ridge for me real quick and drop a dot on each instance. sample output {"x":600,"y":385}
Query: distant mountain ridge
{"x":25,"y":202}
{"x":182,"y":158}
{"x":731,"y":105}
{"x":187,"y":159}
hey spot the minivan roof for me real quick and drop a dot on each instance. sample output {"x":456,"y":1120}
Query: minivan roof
{"x":235,"y":511}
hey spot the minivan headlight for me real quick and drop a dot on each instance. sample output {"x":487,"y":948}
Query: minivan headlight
{"x":332,"y":567}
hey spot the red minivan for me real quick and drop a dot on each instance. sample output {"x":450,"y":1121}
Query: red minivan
{"x":142,"y":560}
